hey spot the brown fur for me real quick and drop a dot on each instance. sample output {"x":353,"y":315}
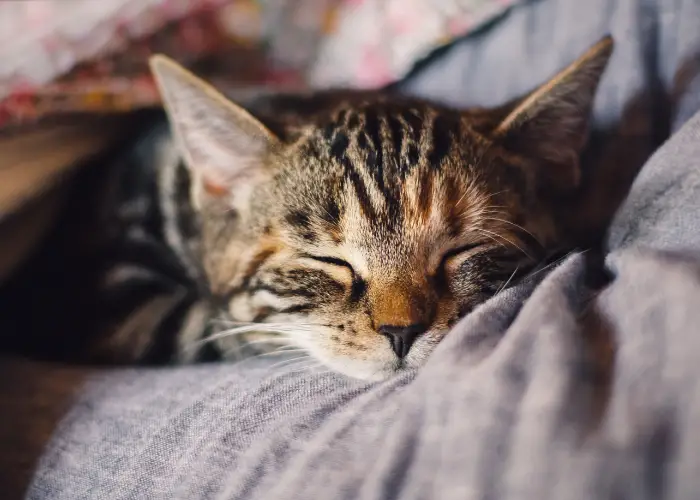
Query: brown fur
{"x":377,"y":211}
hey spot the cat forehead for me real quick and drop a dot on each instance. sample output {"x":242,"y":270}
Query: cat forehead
{"x":385,"y":118}
{"x":388,"y":137}
{"x":380,"y":165}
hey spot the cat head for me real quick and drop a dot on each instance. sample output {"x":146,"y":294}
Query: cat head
{"x":365,"y":229}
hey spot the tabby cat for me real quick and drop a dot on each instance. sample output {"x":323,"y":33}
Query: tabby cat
{"x":359,"y":226}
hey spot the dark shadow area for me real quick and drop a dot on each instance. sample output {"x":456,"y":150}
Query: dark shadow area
{"x":588,"y":404}
{"x":47,"y":305}
{"x":685,"y":91}
{"x":34,"y":398}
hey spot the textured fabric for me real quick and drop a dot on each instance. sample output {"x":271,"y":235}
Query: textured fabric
{"x":88,"y":56}
{"x":543,"y":392}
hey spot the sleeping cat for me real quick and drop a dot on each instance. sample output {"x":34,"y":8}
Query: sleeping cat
{"x":357,"y":226}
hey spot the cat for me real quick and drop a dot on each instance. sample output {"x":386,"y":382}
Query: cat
{"x":357,"y":226}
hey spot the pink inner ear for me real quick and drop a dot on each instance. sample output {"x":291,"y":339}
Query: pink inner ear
{"x":213,"y":188}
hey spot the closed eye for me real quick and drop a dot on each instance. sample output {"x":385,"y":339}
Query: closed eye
{"x":333,"y":261}
{"x":457,"y":251}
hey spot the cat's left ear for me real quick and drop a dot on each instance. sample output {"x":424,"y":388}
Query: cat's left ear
{"x":223,"y":145}
{"x":550,"y":125}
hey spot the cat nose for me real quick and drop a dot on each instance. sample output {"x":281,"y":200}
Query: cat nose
{"x":402,"y":337}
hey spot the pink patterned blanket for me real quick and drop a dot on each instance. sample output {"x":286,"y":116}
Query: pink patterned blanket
{"x":88,"y":56}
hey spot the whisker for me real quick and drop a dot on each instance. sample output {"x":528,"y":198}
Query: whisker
{"x":551,"y":264}
{"x":280,"y":331}
{"x":492,"y":209}
{"x":497,"y":193}
{"x":509,"y":241}
{"x":269,"y":327}
{"x":518,"y":226}
{"x":220,"y":335}
{"x":284,"y":351}
{"x":461,"y":198}
{"x":288,"y":361}
{"x":492,"y":238}
{"x":276,"y":340}
{"x":306,"y":364}
{"x":250,"y":323}
{"x":503,"y":287}
{"x":276,"y":352}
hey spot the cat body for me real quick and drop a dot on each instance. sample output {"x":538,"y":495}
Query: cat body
{"x":356,"y":226}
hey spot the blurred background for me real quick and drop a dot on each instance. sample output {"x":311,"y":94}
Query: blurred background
{"x":71,"y":56}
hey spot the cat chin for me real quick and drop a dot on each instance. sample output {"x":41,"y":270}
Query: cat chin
{"x":383,"y":366}
{"x":363,"y":369}
{"x":372,"y":370}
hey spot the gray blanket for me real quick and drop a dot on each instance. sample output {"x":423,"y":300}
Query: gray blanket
{"x":546,"y":391}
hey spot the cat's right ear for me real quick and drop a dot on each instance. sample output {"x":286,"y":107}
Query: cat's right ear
{"x":223,"y":145}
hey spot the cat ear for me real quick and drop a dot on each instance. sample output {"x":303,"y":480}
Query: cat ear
{"x":550,"y":125}
{"x":223,"y":145}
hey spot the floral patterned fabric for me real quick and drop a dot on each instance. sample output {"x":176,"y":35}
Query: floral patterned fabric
{"x":85,"y":56}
